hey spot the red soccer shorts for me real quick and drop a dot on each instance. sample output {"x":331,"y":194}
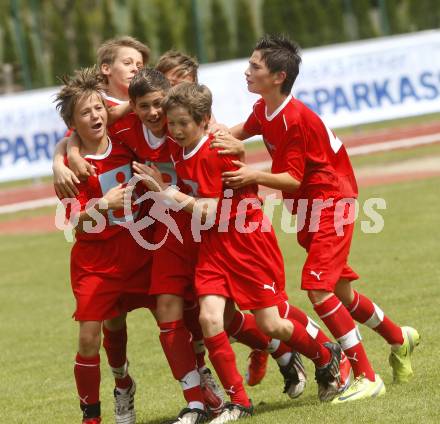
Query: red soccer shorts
{"x":328,"y":252}
{"x":246,"y":267}
{"x":110,"y":277}
{"x":174,"y":262}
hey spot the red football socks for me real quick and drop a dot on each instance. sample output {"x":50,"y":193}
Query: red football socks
{"x":176,"y":344}
{"x":88,"y":377}
{"x":115,"y":345}
{"x":303,"y":343}
{"x":243,"y":328}
{"x":340,"y":323}
{"x":366,"y":312}
{"x":293,"y":313}
{"x":223,"y":358}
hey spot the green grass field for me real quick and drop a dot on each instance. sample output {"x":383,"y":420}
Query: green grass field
{"x":399,"y":269}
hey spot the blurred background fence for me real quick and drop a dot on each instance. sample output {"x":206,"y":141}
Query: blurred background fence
{"x":40,"y":39}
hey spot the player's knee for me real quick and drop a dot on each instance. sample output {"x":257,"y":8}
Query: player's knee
{"x":169,"y":308}
{"x":89,"y":344}
{"x":210,"y":322}
{"x":318,"y":296}
{"x":344,"y":292}
{"x":270,"y":327}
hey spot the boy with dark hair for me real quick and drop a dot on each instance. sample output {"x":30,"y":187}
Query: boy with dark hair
{"x":243,"y":266}
{"x":310,"y":162}
{"x":109,"y":271}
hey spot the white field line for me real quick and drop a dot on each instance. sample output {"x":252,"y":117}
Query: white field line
{"x":352,"y":151}
{"x":391,"y":145}
{"x":30,"y":204}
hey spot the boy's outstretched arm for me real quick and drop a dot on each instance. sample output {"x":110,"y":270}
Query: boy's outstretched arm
{"x":246,"y":175}
{"x":117,"y":112}
{"x":238,"y":131}
{"x":64,"y":179}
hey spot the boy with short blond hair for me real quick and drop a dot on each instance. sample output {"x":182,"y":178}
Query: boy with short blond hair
{"x":118,"y":60}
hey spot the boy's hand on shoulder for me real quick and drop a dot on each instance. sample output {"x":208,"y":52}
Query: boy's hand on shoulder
{"x":227,"y":144}
{"x":65,"y":182}
{"x":243,"y":176}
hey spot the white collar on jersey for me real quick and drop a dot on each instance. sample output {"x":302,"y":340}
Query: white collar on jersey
{"x":153,"y":141}
{"x":104,"y":155}
{"x":278,"y":109}
{"x":196,"y":149}
{"x":112,"y":99}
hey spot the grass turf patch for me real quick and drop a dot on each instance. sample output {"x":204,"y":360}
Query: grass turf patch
{"x":398,"y":268}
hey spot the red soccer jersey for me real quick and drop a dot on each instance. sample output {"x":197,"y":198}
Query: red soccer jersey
{"x":233,"y":262}
{"x":302,"y":145}
{"x":200,"y":175}
{"x":146,"y":146}
{"x":112,"y":168}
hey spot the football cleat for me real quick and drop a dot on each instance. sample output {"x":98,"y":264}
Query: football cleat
{"x":400,"y":356}
{"x":294,"y":375}
{"x":233,"y":412}
{"x":329,"y":377}
{"x":345,"y":371}
{"x":257,"y":367}
{"x":191,"y":416}
{"x":212,"y":392}
{"x":362,"y":388}
{"x":96,"y":420}
{"x":124,"y":405}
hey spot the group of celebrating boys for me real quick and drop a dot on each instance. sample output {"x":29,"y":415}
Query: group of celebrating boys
{"x":144,"y":150}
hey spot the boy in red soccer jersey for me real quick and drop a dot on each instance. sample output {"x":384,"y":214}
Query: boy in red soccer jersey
{"x":108,"y":268}
{"x":234,"y":263}
{"x":145,"y":132}
{"x":179,"y":67}
{"x":118,"y":60}
{"x":310,"y":162}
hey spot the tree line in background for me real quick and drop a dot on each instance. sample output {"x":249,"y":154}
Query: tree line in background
{"x":41,"y":39}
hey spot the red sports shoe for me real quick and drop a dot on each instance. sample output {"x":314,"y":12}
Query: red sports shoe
{"x":96,"y":420}
{"x":256,"y":367}
{"x":345,"y":371}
